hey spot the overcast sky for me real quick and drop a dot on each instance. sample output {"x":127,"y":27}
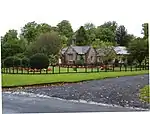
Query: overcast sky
{"x":130,"y":13}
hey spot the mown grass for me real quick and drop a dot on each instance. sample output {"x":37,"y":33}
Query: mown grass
{"x":9,"y":80}
{"x":145,"y":94}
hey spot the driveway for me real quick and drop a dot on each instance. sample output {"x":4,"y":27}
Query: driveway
{"x":115,"y":94}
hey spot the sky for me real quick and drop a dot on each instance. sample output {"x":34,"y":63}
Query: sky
{"x":130,"y":13}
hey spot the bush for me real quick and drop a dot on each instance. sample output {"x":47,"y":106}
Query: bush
{"x":8,"y":62}
{"x":145,"y":94}
{"x":17,"y":62}
{"x":25,"y":62}
{"x":39,"y":61}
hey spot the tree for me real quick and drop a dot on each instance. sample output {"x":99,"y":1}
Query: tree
{"x":105,"y":34}
{"x":138,"y":49}
{"x":9,"y":62}
{"x":65,"y":29}
{"x":81,"y":37}
{"x":30,"y":31}
{"x":90,"y":31}
{"x":128,"y":39}
{"x":100,"y":44}
{"x":39,"y":61}
{"x":47,"y":43}
{"x":112,"y":25}
{"x":10,"y":35}
{"x":43,"y":28}
{"x":145,"y":30}
{"x":16,"y":62}
{"x":104,"y":48}
{"x":88,"y":26}
{"x":25,"y":62}
{"x":121,"y":34}
{"x":10,"y":48}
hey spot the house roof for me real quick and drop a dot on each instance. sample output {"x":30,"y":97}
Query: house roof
{"x":121,"y":50}
{"x":77,"y":49}
{"x":81,"y":49}
{"x":63,"y":50}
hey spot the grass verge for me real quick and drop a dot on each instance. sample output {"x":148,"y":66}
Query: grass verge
{"x":145,"y":94}
{"x":10,"y":80}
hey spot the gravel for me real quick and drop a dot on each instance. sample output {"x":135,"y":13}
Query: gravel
{"x":123,"y":91}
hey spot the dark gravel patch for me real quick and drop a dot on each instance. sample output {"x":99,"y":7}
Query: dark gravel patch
{"x":123,"y":91}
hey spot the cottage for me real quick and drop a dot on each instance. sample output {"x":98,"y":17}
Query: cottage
{"x":72,"y":54}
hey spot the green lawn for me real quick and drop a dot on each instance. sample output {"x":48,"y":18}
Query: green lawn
{"x":29,"y":79}
{"x":145,"y":94}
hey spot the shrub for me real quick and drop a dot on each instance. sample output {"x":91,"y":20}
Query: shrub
{"x":17,"y":62}
{"x":25,"y":62}
{"x":8,"y":62}
{"x":145,"y":94}
{"x":39,"y":61}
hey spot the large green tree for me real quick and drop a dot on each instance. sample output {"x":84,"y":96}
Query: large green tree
{"x":10,"y":35}
{"x":11,"y":44}
{"x":105,"y":34}
{"x":138,"y":49}
{"x":47,"y":43}
{"x":121,"y":34}
{"x":90,"y":31}
{"x":81,"y":37}
{"x":65,"y":29}
{"x":30,"y":31}
{"x":43,"y":28}
{"x":112,"y":25}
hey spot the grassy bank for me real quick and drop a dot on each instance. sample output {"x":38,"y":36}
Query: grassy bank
{"x":145,"y":94}
{"x":29,"y":79}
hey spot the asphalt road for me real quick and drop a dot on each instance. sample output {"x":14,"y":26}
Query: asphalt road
{"x":22,"y":103}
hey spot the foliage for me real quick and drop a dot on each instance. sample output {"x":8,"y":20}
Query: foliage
{"x":10,"y":48}
{"x":138,"y":49}
{"x":25,"y":62}
{"x":90,"y":31}
{"x":10,"y":35}
{"x":145,"y":30}
{"x":39,"y":61}
{"x":53,"y":59}
{"x":105,"y":34}
{"x":9,"y":62}
{"x":145,"y":94}
{"x":47,"y":43}
{"x":121,"y":34}
{"x":100,"y":44}
{"x":65,"y":29}
{"x":30,"y":31}
{"x":112,"y":25}
{"x":43,"y":28}
{"x":81,"y":37}
{"x":17,"y":62}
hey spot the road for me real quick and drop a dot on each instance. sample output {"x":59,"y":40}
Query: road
{"x":22,"y":103}
{"x":121,"y":92}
